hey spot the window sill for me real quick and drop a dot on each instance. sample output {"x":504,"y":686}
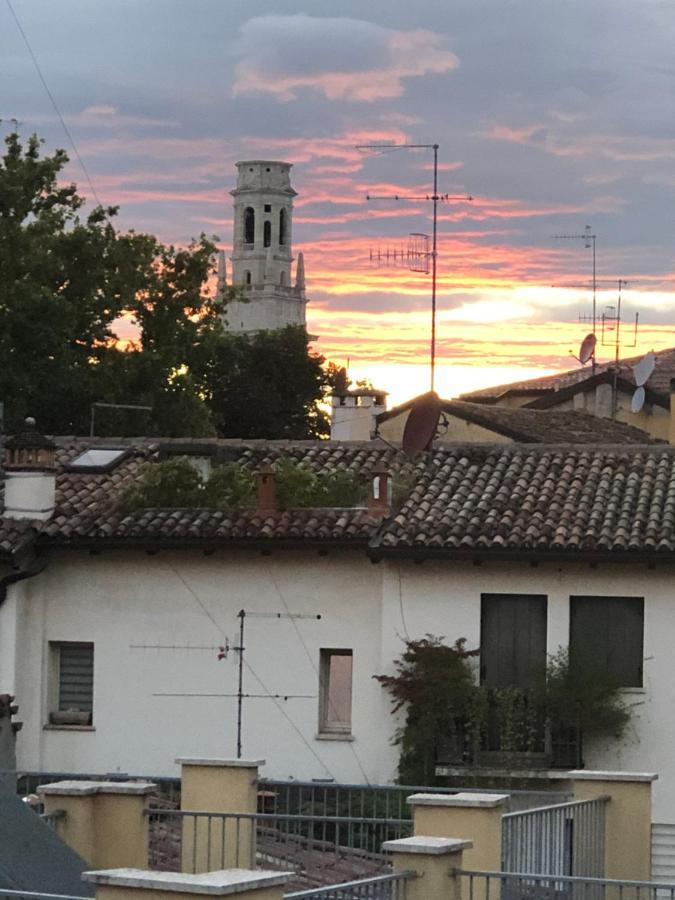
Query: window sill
{"x":69,"y":728}
{"x":334,"y":736}
{"x":633,"y":690}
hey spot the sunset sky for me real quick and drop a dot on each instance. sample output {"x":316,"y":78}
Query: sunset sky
{"x":552,"y":115}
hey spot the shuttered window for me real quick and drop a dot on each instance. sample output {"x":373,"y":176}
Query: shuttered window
{"x":513,"y":639}
{"x":606,"y":636}
{"x":76,"y":677}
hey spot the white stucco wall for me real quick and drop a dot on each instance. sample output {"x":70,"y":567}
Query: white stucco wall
{"x":120,"y":599}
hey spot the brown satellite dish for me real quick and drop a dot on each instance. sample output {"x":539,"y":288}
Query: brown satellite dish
{"x":587,"y":348}
{"x":420,"y":427}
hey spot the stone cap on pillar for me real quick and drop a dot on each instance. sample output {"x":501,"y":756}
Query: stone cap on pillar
{"x":88,"y":788}
{"x":220,"y":883}
{"x":594,"y":775}
{"x":463,"y":798}
{"x":429,"y":846}
{"x":225,"y":763}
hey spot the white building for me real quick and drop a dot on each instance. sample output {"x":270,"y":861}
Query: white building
{"x":262,"y":253}
{"x":111,"y":623}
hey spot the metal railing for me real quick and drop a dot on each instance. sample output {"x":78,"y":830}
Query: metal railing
{"x":32,"y":895}
{"x":383,"y":887}
{"x":565,"y":839}
{"x":319,"y":849}
{"x":527,"y":886}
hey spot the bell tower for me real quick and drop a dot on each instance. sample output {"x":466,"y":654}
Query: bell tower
{"x":262,"y":250}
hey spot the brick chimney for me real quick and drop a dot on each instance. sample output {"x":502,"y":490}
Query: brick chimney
{"x":30,"y":477}
{"x":379,"y":499}
{"x":266,"y":483}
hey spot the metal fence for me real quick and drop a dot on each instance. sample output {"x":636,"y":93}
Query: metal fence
{"x":565,"y":839}
{"x":384,"y":887}
{"x":527,"y":886}
{"x":318,"y":849}
{"x":32,"y":895}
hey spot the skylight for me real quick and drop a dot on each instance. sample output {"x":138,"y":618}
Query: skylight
{"x":100,"y":458}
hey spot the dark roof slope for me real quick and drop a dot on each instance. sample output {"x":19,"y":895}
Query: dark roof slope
{"x":538,"y":426}
{"x":658,"y":383}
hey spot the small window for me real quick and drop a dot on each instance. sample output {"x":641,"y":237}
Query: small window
{"x":72,"y":688}
{"x":267,"y":233}
{"x":606,"y":637}
{"x":247,"y":277}
{"x":335,"y":692}
{"x":282,"y":279}
{"x":268,"y":207}
{"x":282,"y":226}
{"x":98,"y":459}
{"x":249,"y":225}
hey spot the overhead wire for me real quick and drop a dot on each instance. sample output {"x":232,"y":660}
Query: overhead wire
{"x":53,"y":100}
{"x":255,"y":675}
{"x":311,"y":660}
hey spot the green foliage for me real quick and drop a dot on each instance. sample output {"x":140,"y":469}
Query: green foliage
{"x":172,"y":483}
{"x":67,"y":278}
{"x":231,"y":486}
{"x":436,"y":686}
{"x":298,"y":485}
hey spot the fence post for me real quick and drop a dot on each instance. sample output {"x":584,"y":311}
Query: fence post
{"x":106,"y":821}
{"x":140,"y":884}
{"x":218,"y":786}
{"x":434,"y":860}
{"x":478,"y":816}
{"x":628,"y":835}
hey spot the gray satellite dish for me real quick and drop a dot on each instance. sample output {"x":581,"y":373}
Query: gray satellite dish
{"x":421,"y":424}
{"x":638,"y":400}
{"x":644,"y":369}
{"x":587,"y":348}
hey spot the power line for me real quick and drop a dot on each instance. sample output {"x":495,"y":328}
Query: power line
{"x":53,"y":101}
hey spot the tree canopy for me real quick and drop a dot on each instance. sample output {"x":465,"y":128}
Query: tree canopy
{"x":68,"y":278}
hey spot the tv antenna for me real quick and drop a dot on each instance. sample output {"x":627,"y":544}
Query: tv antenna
{"x":223,"y":652}
{"x":421,"y":259}
{"x":588,"y":237}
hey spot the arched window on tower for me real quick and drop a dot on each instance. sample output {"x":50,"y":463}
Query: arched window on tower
{"x":282,"y":226}
{"x":282,"y":279}
{"x":267,"y":233}
{"x":249,"y":225}
{"x":247,"y":277}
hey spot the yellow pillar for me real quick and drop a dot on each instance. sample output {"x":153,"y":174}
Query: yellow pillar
{"x":628,"y":836}
{"x":140,"y":884}
{"x":434,"y":860}
{"x":106,"y":822}
{"x":218,"y":786}
{"x":476,"y":815}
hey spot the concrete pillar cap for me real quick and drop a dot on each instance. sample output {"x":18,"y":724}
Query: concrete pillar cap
{"x":220,"y":883}
{"x":428,"y":846}
{"x":593,"y":775}
{"x":463,"y":798}
{"x":225,"y":763}
{"x":89,"y":788}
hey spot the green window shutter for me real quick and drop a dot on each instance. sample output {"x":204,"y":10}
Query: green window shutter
{"x":76,"y":677}
{"x":607,"y":635}
{"x":513,"y":639}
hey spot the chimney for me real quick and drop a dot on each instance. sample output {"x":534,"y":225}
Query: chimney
{"x":671,"y":428}
{"x":266,"y":482}
{"x":379,"y":500}
{"x":30,"y":479}
{"x":354,"y":413}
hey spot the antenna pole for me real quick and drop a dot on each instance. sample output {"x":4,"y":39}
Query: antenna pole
{"x":588,"y":228}
{"x":240,"y":686}
{"x":433,"y":268}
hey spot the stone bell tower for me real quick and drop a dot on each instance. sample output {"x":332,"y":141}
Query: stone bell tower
{"x":262,"y":250}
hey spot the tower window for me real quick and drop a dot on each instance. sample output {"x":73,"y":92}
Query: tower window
{"x":267,"y":233}
{"x":249,"y":225}
{"x":282,"y":278}
{"x":282,"y":226}
{"x":247,"y":277}
{"x":268,"y":207}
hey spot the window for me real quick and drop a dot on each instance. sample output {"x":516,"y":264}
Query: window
{"x":282,"y":226}
{"x":247,"y":277}
{"x":267,"y":233}
{"x":513,"y":639}
{"x":249,"y":225}
{"x":606,"y":636}
{"x":98,"y":459}
{"x":282,"y":278}
{"x":335,"y":692}
{"x":72,"y":688}
{"x":268,"y":207}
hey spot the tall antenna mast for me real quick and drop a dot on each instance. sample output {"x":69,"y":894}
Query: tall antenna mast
{"x":435,"y":198}
{"x":589,"y":243}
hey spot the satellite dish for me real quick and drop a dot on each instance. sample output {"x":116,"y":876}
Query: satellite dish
{"x":420,"y":427}
{"x":638,"y":400}
{"x":587,"y":348}
{"x":644,"y":369}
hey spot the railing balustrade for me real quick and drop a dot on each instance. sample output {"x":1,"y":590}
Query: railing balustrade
{"x":383,"y":887}
{"x":529,"y":886}
{"x":32,"y":895}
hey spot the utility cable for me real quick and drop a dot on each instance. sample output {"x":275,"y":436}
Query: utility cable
{"x":53,"y":101}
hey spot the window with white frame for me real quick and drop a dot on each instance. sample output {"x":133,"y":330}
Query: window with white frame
{"x":335,"y":691}
{"x":72,"y":683}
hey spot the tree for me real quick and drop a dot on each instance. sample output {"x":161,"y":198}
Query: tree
{"x":66,"y":277}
